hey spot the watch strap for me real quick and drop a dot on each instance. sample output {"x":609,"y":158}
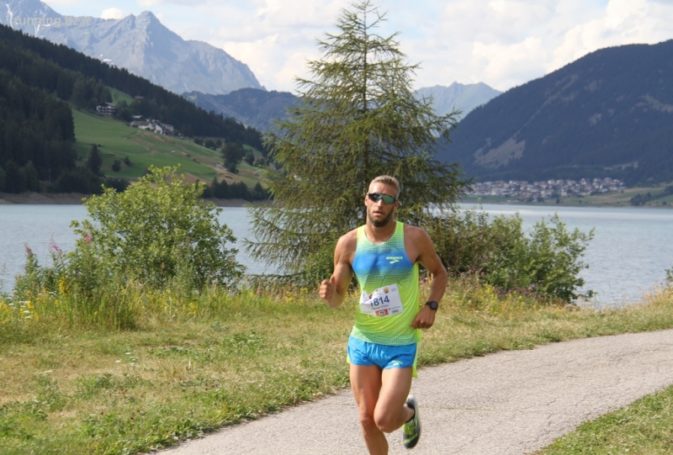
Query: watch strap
{"x":433,"y":304}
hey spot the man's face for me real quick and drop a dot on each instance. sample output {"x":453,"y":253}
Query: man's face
{"x":380,"y":213}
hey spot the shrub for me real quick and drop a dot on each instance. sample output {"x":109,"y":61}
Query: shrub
{"x":157,"y":231}
{"x":546,"y":262}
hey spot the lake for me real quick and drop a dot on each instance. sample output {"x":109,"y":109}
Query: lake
{"x":631,"y":250}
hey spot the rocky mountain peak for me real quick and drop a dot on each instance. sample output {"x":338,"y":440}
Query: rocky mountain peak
{"x":141,"y":44}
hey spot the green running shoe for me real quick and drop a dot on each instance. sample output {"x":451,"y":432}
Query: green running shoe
{"x":412,"y":428}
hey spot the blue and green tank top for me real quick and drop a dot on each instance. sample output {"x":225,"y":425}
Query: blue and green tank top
{"x":387,"y":277}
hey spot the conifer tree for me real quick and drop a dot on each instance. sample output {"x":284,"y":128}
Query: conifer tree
{"x":358,"y":119}
{"x":95,"y":160}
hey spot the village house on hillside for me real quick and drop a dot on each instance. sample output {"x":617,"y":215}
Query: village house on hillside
{"x":147,"y":124}
{"x":107,"y":109}
{"x":546,"y":189}
{"x":152,"y":125}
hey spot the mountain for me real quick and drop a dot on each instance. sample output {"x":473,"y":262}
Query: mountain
{"x":608,"y":114}
{"x":260,"y":109}
{"x":255,"y":108}
{"x":463,"y":97}
{"x":141,"y":44}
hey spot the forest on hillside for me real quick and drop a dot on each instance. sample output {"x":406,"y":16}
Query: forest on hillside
{"x":608,"y":114}
{"x":40,"y":81}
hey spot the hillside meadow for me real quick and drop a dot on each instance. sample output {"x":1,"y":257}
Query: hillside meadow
{"x":197,"y":362}
{"x":118,"y":141}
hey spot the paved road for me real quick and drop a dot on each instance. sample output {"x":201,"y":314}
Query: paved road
{"x":505,"y":403}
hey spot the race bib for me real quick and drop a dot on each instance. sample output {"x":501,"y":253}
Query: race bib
{"x":381,"y":302}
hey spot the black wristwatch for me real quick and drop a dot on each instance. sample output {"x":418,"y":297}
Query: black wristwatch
{"x":432,"y":304}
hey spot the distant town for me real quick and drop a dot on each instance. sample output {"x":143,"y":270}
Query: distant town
{"x":546,"y":189}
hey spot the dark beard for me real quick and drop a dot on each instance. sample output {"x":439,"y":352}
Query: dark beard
{"x":384,"y":221}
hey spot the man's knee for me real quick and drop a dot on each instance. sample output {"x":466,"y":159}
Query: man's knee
{"x":386,"y":422}
{"x":367,"y":422}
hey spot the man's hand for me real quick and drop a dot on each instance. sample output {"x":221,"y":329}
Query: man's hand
{"x":327,"y":290}
{"x":424,"y":319}
{"x":333,"y":290}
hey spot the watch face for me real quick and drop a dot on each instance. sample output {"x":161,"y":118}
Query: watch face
{"x":433,"y":305}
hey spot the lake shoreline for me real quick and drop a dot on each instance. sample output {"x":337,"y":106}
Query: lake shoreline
{"x":42,"y":198}
{"x":32,"y":198}
{"x":477,"y":201}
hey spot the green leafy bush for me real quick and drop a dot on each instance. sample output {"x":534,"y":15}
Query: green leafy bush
{"x":157,"y":231}
{"x":546,"y":261}
{"x":157,"y":234}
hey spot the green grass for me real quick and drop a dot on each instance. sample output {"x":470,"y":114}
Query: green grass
{"x":119,"y":96}
{"x":117,"y":141}
{"x":623,"y":198}
{"x":644,"y":427}
{"x":198,"y":363}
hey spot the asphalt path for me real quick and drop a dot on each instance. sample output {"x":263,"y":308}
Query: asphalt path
{"x":512,"y":402}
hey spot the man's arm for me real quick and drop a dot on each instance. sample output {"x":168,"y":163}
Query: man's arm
{"x":333,"y":290}
{"x":428,"y":257}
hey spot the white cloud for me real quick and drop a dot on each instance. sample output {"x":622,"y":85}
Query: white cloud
{"x":276,"y":59}
{"x":149,"y":3}
{"x":509,"y":63}
{"x":621,"y":22}
{"x":308,"y":13}
{"x":509,"y":42}
{"x":59,"y":3}
{"x":500,"y":42}
{"x":267,"y":35}
{"x":112,"y":13}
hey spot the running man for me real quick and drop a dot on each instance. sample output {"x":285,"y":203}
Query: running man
{"x":385,"y":255}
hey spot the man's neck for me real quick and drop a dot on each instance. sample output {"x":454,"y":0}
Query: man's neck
{"x":381,"y":233}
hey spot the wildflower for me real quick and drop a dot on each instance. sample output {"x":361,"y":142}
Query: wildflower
{"x":55,"y":249}
{"x":62,"y":286}
{"x":193,"y":308}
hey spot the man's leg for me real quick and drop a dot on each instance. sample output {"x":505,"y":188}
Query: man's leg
{"x":366,"y":385}
{"x":391,"y":411}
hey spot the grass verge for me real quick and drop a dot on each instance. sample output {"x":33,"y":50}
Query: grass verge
{"x":200,"y":362}
{"x":644,"y":427}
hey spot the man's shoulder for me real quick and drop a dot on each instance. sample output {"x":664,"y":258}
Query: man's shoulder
{"x":414,"y":231}
{"x":349,"y":239}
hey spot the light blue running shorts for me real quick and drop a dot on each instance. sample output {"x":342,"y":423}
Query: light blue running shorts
{"x":384,"y":356}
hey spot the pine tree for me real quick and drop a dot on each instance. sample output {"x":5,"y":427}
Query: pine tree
{"x":358,"y":119}
{"x":95,"y":160}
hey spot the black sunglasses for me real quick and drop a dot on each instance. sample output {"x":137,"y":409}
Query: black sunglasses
{"x":386,"y":198}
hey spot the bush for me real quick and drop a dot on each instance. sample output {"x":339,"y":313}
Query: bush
{"x":547,"y":262}
{"x":159,"y":233}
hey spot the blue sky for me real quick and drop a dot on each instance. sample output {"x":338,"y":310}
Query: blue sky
{"x":503,"y":43}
